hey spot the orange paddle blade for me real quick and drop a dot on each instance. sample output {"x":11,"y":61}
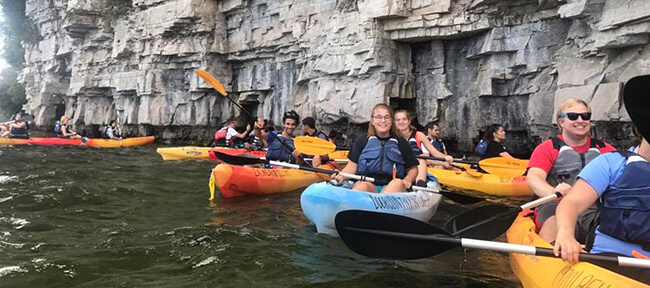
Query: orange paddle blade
{"x":207,"y":77}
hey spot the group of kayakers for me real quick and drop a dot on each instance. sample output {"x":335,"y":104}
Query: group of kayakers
{"x":606,"y":201}
{"x":18,"y":128}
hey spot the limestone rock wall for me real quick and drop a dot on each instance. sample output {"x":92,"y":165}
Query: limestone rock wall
{"x":464,"y":63}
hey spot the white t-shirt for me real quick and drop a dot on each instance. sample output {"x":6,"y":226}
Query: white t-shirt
{"x":231,"y":132}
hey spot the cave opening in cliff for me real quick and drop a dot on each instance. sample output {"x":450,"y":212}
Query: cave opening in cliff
{"x":59,"y":111}
{"x":251,"y":107}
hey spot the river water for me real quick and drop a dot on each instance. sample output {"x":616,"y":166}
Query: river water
{"x":84,"y":217}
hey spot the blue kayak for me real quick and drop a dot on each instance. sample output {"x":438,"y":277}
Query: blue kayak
{"x":321,"y":202}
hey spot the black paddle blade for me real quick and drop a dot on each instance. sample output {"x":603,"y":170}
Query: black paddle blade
{"x":461,"y":198}
{"x":238,"y":159}
{"x":485,"y":222}
{"x":388,"y":236}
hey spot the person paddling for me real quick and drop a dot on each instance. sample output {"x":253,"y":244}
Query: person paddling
{"x":309,"y":129}
{"x":556,"y":162}
{"x":18,"y":128}
{"x":281,"y":144}
{"x":112,"y":131}
{"x":226,"y":135}
{"x":417,"y":140}
{"x":619,"y":183}
{"x":490,"y":146}
{"x":381,"y":154}
{"x":433,"y":135}
{"x":62,"y":129}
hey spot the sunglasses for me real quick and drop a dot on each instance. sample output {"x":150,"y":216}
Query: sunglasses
{"x":574,"y":116}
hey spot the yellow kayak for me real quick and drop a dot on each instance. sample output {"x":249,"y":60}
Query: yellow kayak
{"x":485,"y":183}
{"x":191,"y":152}
{"x":180,"y":153}
{"x":536,"y":271}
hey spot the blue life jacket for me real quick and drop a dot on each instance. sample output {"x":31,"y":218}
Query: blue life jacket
{"x":378,"y":157}
{"x":414,"y":143}
{"x":481,"y":147}
{"x":57,"y":127}
{"x":439,"y":145}
{"x":277,"y":151}
{"x":625,"y":209}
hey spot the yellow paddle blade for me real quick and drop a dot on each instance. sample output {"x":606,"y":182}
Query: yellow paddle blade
{"x":313,"y":145}
{"x":207,"y":77}
{"x":504,"y":166}
{"x":211,"y":185}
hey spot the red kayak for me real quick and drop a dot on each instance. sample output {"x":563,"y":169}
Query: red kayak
{"x":53,"y":141}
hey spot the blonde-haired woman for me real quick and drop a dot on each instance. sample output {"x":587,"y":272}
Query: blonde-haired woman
{"x":381,"y":154}
{"x":64,"y":130}
{"x":416,"y":139}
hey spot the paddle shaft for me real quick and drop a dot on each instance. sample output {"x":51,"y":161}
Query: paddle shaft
{"x":443,"y":160}
{"x":510,"y":248}
{"x":323,"y":171}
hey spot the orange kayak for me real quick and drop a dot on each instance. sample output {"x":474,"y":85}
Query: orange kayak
{"x":536,"y":271}
{"x":99,"y":143}
{"x":13,"y":141}
{"x":234,"y":181}
{"x":126,"y":142}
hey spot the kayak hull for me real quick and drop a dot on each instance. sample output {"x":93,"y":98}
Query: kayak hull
{"x":53,"y":141}
{"x":127,"y":142}
{"x":13,"y":141}
{"x":182,"y":153}
{"x":536,"y":271}
{"x":486,"y":183}
{"x":99,"y":143}
{"x":235,"y":152}
{"x":321,"y":202}
{"x":234,"y":181}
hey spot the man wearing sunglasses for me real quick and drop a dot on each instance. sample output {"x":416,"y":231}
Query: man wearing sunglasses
{"x":555,"y":164}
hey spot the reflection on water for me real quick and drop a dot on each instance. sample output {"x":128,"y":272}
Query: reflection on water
{"x":87,"y":217}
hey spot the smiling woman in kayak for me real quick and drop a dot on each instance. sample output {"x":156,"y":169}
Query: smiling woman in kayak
{"x":381,"y":154}
{"x":416,"y":139}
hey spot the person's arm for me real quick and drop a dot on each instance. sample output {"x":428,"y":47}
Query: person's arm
{"x":579,"y":198}
{"x":432,"y":150}
{"x":537,"y":183}
{"x":505,"y":154}
{"x":350,"y":168}
{"x":244,"y":134}
{"x":19,"y":125}
{"x":110,"y":134}
{"x":411,"y":174}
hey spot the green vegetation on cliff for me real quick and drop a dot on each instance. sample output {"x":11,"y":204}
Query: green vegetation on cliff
{"x":15,"y":28}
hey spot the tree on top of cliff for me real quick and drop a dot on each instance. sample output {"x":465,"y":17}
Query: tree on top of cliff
{"x":16,"y":29}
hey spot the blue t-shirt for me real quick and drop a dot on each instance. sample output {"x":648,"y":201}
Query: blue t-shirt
{"x":599,"y":174}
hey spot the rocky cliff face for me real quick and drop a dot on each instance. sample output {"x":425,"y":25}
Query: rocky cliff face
{"x":465,"y":63}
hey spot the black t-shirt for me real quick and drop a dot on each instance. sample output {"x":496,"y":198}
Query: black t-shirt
{"x":493,"y":150}
{"x":404,"y":147}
